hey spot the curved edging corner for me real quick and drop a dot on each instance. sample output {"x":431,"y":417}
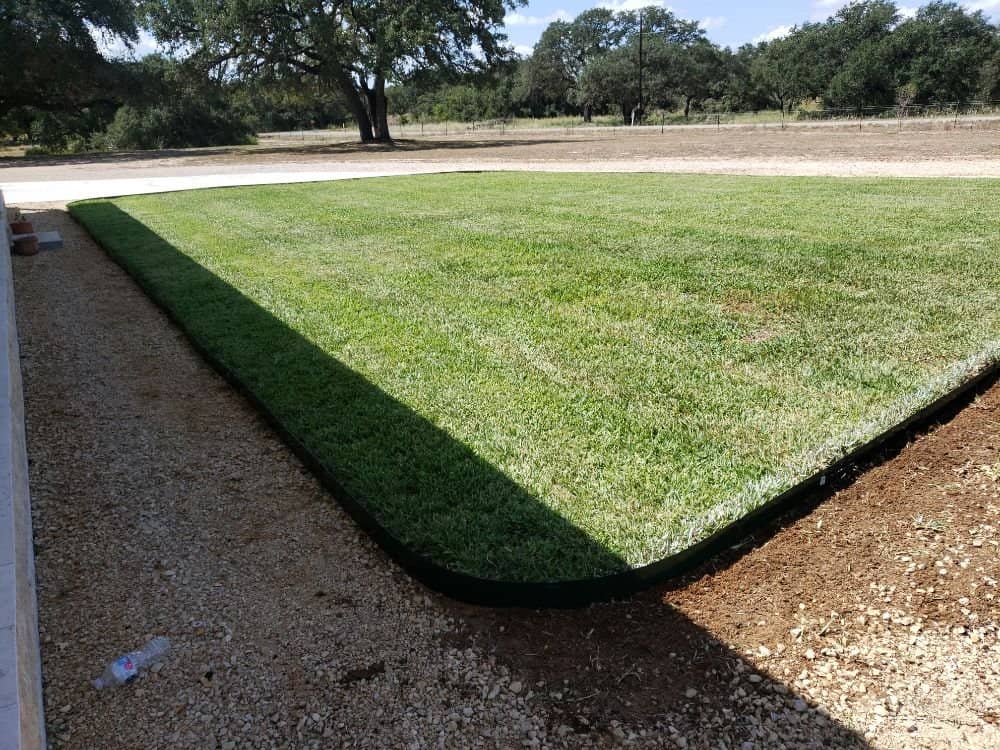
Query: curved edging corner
{"x":579,"y":592}
{"x":22,"y":720}
{"x":574,"y":593}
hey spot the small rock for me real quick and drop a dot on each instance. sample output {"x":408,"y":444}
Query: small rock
{"x":516,"y":686}
{"x":690,"y":693}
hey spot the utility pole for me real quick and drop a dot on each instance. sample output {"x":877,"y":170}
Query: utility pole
{"x":641,"y":109}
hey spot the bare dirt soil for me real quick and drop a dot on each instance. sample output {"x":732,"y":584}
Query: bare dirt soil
{"x":966,"y":151}
{"x":164,"y":506}
{"x":880,"y":606}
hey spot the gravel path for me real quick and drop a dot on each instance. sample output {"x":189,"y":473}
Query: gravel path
{"x":163,"y":505}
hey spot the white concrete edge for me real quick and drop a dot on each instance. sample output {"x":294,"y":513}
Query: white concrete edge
{"x":49,"y":191}
{"x":74,"y":190}
{"x":22,"y":723}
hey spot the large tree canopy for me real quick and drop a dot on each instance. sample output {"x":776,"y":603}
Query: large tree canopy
{"x":353,"y":47}
{"x":48,"y":56}
{"x":861,"y":56}
{"x":941,"y":51}
{"x":566,"y":49}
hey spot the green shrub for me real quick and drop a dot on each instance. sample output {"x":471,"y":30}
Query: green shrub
{"x":174,"y":126}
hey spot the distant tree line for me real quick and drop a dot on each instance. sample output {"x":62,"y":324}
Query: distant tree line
{"x":234,"y":68}
{"x":867,"y":54}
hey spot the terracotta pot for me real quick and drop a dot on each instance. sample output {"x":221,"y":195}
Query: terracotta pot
{"x":26,"y":246}
{"x":21,"y":227}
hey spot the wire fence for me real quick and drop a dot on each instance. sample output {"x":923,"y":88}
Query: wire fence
{"x":942,"y":116}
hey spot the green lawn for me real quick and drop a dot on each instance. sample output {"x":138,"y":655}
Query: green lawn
{"x":541,"y":377}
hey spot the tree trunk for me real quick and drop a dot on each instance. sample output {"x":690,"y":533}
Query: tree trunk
{"x":380,"y":115}
{"x":587,"y":112}
{"x":364,"y":125}
{"x":357,"y":106}
{"x":687,"y":106}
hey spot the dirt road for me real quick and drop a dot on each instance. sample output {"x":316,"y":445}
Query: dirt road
{"x":971,"y":152}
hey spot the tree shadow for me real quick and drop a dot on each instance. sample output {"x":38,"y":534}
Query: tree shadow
{"x":633,"y":661}
{"x":345,"y":148}
{"x":646,"y":664}
{"x":643,"y":662}
{"x":430,"y":500}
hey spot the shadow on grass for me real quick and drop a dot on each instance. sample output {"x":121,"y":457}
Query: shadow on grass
{"x":631,"y":661}
{"x":335,"y":148}
{"x":448,"y":516}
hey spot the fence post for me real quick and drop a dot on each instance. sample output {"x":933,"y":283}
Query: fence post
{"x":663,"y":119}
{"x":718,"y":122}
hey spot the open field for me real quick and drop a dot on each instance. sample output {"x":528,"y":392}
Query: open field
{"x":590,"y":373}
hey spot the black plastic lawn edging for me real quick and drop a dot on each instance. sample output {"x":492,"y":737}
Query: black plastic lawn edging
{"x":580,"y":592}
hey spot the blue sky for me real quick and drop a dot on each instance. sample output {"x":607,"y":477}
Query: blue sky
{"x":728,"y":22}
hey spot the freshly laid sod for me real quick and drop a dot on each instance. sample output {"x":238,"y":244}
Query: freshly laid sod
{"x":545,"y":377}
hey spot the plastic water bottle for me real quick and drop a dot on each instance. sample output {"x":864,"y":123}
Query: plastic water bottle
{"x":125,"y":668}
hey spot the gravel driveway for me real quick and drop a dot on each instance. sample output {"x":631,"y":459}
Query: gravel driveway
{"x":163,"y":505}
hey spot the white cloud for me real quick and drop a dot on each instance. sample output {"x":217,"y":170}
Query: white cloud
{"x":625,"y":5}
{"x":823,"y":9}
{"x":776,"y":33}
{"x":988,"y":7}
{"x":524,"y":50}
{"x":114,"y":48}
{"x":712,"y":22}
{"x":519,"y":19}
